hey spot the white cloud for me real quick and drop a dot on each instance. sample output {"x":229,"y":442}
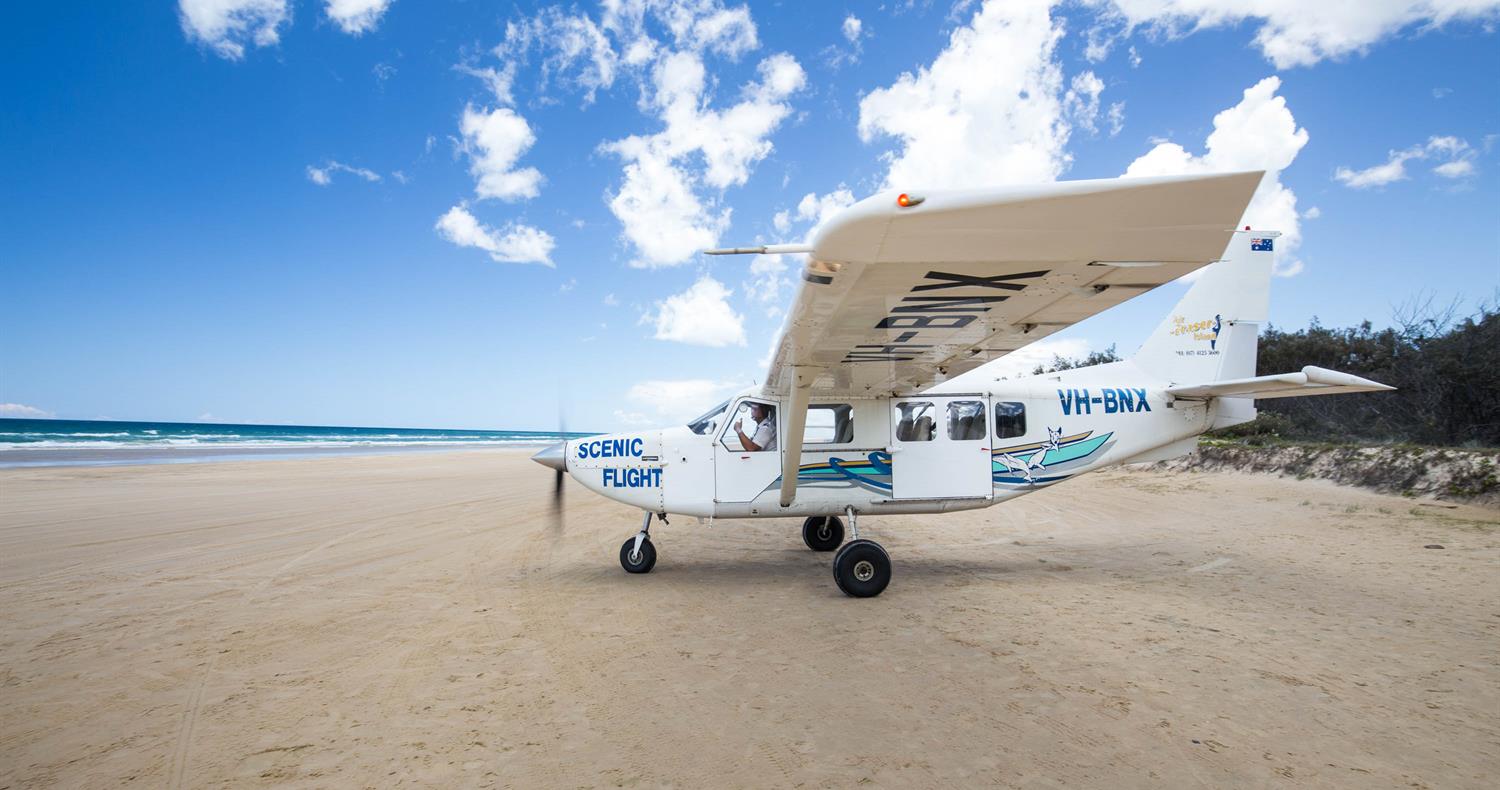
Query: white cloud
{"x":323,"y":176}
{"x":226,"y":26}
{"x":1023,"y":361}
{"x":987,"y":111}
{"x":568,"y":286}
{"x":852,"y":28}
{"x":819,"y":210}
{"x":1297,"y":32}
{"x":767,"y":280}
{"x":578,"y":52}
{"x":678,"y":400}
{"x":1441,"y":93}
{"x":1116,"y":118}
{"x":515,"y":243}
{"x":1259,"y":133}
{"x":610,"y":300}
{"x":782,"y":221}
{"x":1458,"y":168}
{"x":494,"y":140}
{"x":1312,"y":213}
{"x":697,"y":25}
{"x":357,"y":17}
{"x":669,"y":200}
{"x":499,"y":81}
{"x":658,"y":204}
{"x":635,"y":419}
{"x":700,"y":316}
{"x":21,"y":411}
{"x":1457,"y":162}
{"x":1081,"y":102}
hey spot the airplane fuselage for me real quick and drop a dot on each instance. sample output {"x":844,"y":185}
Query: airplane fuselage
{"x":956,"y":446}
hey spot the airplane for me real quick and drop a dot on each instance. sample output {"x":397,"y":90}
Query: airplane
{"x":877,"y":400}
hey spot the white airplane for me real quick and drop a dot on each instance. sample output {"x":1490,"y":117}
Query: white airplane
{"x":864,"y":410}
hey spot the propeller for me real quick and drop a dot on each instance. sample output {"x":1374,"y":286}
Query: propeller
{"x":555,"y":457}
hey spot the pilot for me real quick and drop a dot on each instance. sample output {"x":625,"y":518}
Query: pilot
{"x":764,"y":437}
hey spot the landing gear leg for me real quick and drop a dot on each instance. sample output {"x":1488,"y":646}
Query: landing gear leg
{"x":638,"y":555}
{"x":861,"y":568}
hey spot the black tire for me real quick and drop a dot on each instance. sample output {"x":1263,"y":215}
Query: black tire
{"x":823,"y":533}
{"x":642,"y":563}
{"x":862,"y":569}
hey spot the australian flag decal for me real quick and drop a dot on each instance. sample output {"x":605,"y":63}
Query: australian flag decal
{"x":1260,"y":245}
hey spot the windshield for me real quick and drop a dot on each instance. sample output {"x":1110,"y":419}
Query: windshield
{"x":709,"y":420}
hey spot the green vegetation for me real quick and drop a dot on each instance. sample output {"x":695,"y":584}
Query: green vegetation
{"x":1447,"y":375}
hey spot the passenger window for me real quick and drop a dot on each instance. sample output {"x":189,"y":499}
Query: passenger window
{"x":966,"y":420}
{"x":829,"y":424}
{"x":914,"y":421}
{"x":1010,"y":420}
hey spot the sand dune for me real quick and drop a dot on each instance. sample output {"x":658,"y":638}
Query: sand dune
{"x":417,"y":620}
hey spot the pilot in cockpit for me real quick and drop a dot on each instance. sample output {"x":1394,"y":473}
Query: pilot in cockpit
{"x":763,"y":434}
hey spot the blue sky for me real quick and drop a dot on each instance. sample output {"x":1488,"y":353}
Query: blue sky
{"x":466,"y":214}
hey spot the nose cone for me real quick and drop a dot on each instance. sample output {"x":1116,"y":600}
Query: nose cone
{"x":554,"y":457}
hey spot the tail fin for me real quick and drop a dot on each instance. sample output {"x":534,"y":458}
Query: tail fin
{"x":1211,"y":334}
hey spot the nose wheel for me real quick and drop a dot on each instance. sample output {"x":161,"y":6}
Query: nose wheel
{"x":638,"y":555}
{"x":638,"y":559}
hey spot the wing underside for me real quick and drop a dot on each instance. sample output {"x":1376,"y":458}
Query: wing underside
{"x":894,"y":299}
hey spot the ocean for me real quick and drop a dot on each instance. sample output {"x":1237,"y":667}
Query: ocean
{"x":109,"y":442}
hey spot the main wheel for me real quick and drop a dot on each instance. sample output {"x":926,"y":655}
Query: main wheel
{"x":638,"y":562}
{"x":823,"y":533}
{"x":862,"y":568}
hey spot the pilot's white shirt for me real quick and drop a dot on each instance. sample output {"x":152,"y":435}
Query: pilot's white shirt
{"x":765,"y":434}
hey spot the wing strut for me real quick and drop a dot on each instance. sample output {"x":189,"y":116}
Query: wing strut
{"x":794,"y":424}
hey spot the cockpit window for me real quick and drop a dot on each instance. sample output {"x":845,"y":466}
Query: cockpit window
{"x":710,"y":420}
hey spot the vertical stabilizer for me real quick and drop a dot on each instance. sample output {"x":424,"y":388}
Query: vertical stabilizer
{"x":1211,"y":334}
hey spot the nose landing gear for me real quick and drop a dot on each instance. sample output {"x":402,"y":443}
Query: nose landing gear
{"x":638,"y":555}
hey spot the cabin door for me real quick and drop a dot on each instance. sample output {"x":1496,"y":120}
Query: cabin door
{"x":940,"y":447}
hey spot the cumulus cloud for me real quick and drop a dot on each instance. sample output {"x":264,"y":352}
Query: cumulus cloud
{"x":21,"y":411}
{"x":987,"y":111}
{"x":677,"y":400}
{"x":767,"y":280}
{"x":700,"y":316}
{"x":494,"y":141}
{"x":576,"y":50}
{"x":227,"y":26}
{"x":1297,"y":33}
{"x":1259,"y":133}
{"x":515,"y":243}
{"x":356,"y":17}
{"x":323,"y":176}
{"x":852,"y":28}
{"x":669,"y":199}
{"x":1081,"y":102}
{"x":1455,"y":157}
{"x":658,"y":202}
{"x":1021,"y":362}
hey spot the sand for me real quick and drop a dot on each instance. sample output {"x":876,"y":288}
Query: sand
{"x":417,"y":620}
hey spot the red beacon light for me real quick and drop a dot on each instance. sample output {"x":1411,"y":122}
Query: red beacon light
{"x":907,"y":201}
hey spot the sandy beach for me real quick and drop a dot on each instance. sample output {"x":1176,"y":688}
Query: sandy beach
{"x":419,"y":620}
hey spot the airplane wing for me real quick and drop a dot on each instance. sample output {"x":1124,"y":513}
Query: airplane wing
{"x":903,"y":291}
{"x":897,"y":297}
{"x":1311,"y":381}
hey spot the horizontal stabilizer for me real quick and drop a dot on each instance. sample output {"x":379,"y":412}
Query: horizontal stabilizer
{"x":1311,"y":381}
